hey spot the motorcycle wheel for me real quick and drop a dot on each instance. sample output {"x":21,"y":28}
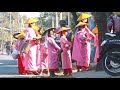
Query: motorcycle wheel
{"x":111,"y":63}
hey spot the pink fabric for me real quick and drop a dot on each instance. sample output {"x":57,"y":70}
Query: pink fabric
{"x":16,"y":44}
{"x":52,"y":54}
{"x":66,"y":54}
{"x":75,"y":48}
{"x":44,"y":57}
{"x":90,"y":34}
{"x":96,"y":44}
{"x":84,"y":51}
{"x":38,"y":57}
{"x":82,"y":47}
{"x":30,"y":57}
{"x":29,"y":33}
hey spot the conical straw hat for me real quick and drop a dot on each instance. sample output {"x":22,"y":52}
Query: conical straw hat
{"x":81,"y":24}
{"x":83,"y":16}
{"x":36,"y":29}
{"x":63,"y":29}
{"x":31,"y":20}
{"x":21,"y":35}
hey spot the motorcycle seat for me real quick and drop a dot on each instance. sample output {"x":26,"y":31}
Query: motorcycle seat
{"x":110,"y":34}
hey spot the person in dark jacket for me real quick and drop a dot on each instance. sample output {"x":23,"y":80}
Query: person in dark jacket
{"x":113,"y":21}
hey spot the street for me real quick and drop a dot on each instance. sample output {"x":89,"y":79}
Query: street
{"x":8,"y":66}
{"x":8,"y":69}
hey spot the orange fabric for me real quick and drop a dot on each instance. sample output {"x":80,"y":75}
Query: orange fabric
{"x":95,"y":30}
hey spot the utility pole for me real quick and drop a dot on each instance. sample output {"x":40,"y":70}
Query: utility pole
{"x":18,"y":23}
{"x":60,"y":15}
{"x":13,"y":27}
{"x":21,"y":23}
{"x":2,"y":45}
{"x":2,"y":36}
{"x":56,"y":19}
{"x":69,"y":19}
{"x":10,"y":29}
{"x":52,"y":21}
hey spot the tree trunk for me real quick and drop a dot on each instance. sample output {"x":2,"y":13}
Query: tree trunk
{"x":75,"y":17}
{"x":101,"y":22}
{"x":69,"y":19}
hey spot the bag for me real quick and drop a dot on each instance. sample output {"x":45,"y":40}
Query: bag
{"x":15,"y":53}
{"x":27,"y":48}
{"x":22,"y":45}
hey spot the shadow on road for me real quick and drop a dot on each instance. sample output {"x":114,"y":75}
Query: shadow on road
{"x":7,"y":66}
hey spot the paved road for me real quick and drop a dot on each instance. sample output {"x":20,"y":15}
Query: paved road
{"x":93,"y":74}
{"x":8,"y":66}
{"x":8,"y":69}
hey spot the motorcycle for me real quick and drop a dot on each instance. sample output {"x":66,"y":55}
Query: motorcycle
{"x":110,"y":54}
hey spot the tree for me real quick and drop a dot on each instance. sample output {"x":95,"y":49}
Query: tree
{"x":75,"y":17}
{"x":45,"y":20}
{"x":5,"y":24}
{"x":101,"y":22}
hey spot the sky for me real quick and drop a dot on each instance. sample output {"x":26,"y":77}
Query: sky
{"x":30,"y":14}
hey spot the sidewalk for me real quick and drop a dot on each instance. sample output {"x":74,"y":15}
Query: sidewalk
{"x":4,"y":56}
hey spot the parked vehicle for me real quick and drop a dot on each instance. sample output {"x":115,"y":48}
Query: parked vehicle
{"x":110,"y":54}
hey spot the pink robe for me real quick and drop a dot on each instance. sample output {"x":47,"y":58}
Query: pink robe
{"x":53,"y":48}
{"x":96,"y":44}
{"x":82,"y":48}
{"x":44,"y":57}
{"x":75,"y":48}
{"x":38,"y":57}
{"x":30,"y":57}
{"x":84,"y":51}
{"x":90,"y":34}
{"x":66,"y":54}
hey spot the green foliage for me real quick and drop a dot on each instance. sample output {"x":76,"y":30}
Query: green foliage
{"x":45,"y":20}
{"x":5,"y":23}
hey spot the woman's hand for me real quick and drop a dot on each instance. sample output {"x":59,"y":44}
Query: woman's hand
{"x":66,"y":45}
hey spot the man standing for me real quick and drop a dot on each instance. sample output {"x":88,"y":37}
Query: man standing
{"x":113,"y":23}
